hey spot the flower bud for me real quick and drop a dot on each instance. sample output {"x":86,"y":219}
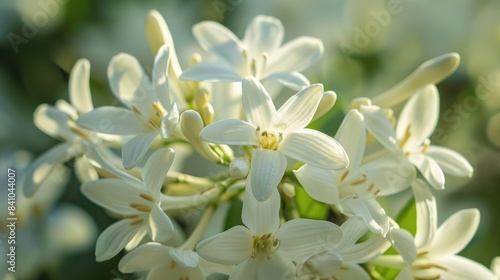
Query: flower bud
{"x":326,"y":103}
{"x":191,"y":125}
{"x":239,"y":168}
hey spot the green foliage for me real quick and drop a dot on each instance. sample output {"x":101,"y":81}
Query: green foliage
{"x":308,"y":207}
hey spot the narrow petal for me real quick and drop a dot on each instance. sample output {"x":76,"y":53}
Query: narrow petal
{"x":84,"y":171}
{"x":135,"y":149}
{"x":352,"y":271}
{"x":170,"y":121}
{"x":455,"y":233}
{"x":302,"y":238}
{"x":365,"y":251}
{"x":403,"y":242}
{"x":293,"y":80}
{"x":257,"y":104}
{"x":296,"y":55}
{"x":267,"y":169}
{"x":299,"y":109}
{"x":113,"y":239}
{"x":352,"y":136}
{"x":354,"y":228}
{"x":324,"y":264}
{"x":53,"y":122}
{"x":264,"y":34}
{"x":156,"y":168}
{"x":144,"y":257}
{"x":45,"y":167}
{"x":79,"y":88}
{"x":130,"y":84}
{"x":186,"y":258}
{"x":314,"y":148}
{"x":247,"y":269}
{"x":319,"y":183}
{"x":113,"y":194}
{"x":450,"y":161}
{"x":160,"y":227}
{"x":160,"y":76}
{"x":261,"y":217}
{"x":137,"y":239}
{"x":113,"y":120}
{"x":211,"y":72}
{"x":277,"y":267}
{"x":220,"y":42}
{"x":420,"y":114}
{"x":372,"y":213}
{"x":229,"y":131}
{"x":379,"y":125}
{"x":429,"y":169}
{"x":231,"y":247}
{"x":426,"y":214}
{"x":458,"y":267}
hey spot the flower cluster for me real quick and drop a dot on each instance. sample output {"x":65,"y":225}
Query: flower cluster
{"x":223,"y":108}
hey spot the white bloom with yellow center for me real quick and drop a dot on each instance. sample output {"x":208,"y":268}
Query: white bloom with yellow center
{"x":276,"y":134}
{"x":259,"y":54}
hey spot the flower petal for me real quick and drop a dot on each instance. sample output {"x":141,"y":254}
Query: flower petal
{"x":130,"y":84}
{"x":365,"y":251}
{"x":319,"y":183}
{"x":324,"y":264}
{"x":137,"y":239}
{"x":276,"y":268}
{"x":458,"y":267}
{"x":295,"y":55}
{"x":450,"y":161}
{"x":46,"y":167}
{"x":314,"y":148}
{"x":263,"y":34}
{"x":293,"y":80}
{"x":429,"y":169}
{"x":354,"y":228}
{"x":455,"y":233}
{"x":403,"y":242}
{"x":211,"y":72}
{"x":53,"y":122}
{"x":113,"y":194}
{"x":114,"y":238}
{"x":160,"y":227}
{"x":170,"y":121}
{"x":160,"y":76}
{"x":352,"y":136}
{"x":302,"y":238}
{"x":257,"y":104}
{"x":79,"y":88}
{"x":220,"y":42}
{"x":84,"y":171}
{"x":113,"y":120}
{"x":135,"y":149}
{"x":144,"y":257}
{"x":299,"y":109}
{"x":186,"y":258}
{"x":261,"y":217}
{"x":231,"y":247}
{"x":229,"y":131}
{"x":156,"y":168}
{"x":372,"y":213}
{"x":247,"y":269}
{"x":379,"y":125}
{"x":419,"y":116}
{"x":352,"y":271}
{"x":426,"y":214}
{"x":267,"y":169}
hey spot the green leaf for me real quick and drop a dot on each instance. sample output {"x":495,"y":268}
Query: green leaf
{"x":308,"y":207}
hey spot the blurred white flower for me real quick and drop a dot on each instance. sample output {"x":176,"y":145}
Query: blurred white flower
{"x":259,"y":54}
{"x":276,"y":134}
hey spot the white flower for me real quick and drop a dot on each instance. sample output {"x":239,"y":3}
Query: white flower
{"x":259,"y":54}
{"x":342,"y":260}
{"x":60,"y":122}
{"x":146,"y":116}
{"x":263,"y":249}
{"x":353,"y":190}
{"x":436,"y":248}
{"x":416,"y":123}
{"x":495,"y":266}
{"x":139,"y":203}
{"x":277,"y":134}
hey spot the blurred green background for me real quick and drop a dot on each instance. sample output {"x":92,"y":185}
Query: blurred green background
{"x":366,"y":52}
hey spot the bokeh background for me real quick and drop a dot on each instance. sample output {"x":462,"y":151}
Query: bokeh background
{"x":370,"y":45}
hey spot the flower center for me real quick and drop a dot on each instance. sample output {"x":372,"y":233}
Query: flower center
{"x":269,"y":140}
{"x":265,"y":245}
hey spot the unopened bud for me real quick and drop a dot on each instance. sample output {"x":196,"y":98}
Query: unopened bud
{"x":201,"y":98}
{"x":360,"y":101}
{"x":287,"y":189}
{"x":207,"y":114}
{"x":430,"y":72}
{"x":239,"y":168}
{"x":326,"y":103}
{"x":191,"y":125}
